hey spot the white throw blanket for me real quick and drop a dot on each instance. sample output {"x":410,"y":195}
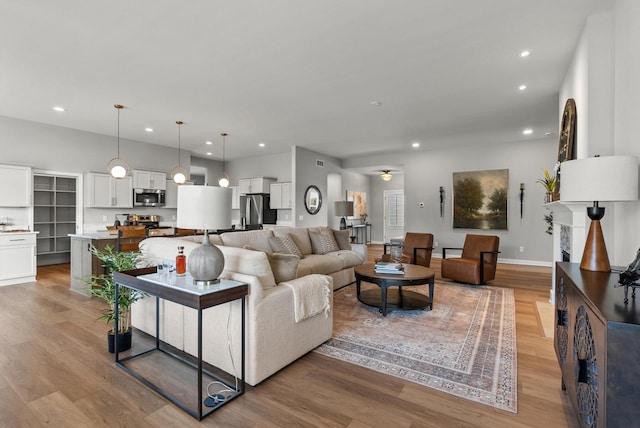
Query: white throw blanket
{"x":311,"y":295}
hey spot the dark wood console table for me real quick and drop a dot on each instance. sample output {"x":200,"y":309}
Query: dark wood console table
{"x":597,"y":342}
{"x":182,"y":291}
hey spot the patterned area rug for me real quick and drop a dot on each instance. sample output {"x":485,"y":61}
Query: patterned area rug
{"x":465,"y":346}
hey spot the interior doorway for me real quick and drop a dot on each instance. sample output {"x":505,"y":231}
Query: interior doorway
{"x":393,"y":215}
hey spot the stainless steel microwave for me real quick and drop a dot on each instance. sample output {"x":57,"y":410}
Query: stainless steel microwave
{"x":149,"y":197}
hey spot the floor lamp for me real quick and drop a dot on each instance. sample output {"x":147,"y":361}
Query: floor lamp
{"x":343,"y":209}
{"x":598,"y":179}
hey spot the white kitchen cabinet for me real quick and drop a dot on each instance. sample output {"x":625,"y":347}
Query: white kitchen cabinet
{"x":17,"y":258}
{"x":171,"y":195}
{"x":149,"y":180}
{"x":280,"y":196}
{"x":255,"y":185}
{"x":104,"y":191}
{"x":15,"y":186}
{"x":235,"y":198}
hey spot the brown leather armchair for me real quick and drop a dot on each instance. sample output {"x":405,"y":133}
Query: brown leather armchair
{"x":416,"y":249}
{"x":477,"y":265}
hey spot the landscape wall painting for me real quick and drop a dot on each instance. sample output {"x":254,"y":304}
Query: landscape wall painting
{"x":480,"y":199}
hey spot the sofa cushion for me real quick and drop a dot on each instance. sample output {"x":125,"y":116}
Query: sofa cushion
{"x":322,"y":240}
{"x":283,"y":266}
{"x":258,"y":239}
{"x":349,"y":258}
{"x":343,"y":239}
{"x":249,"y":262}
{"x":300,"y":236}
{"x":284,"y":244}
{"x":316,"y":263}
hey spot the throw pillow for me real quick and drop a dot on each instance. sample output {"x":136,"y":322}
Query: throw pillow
{"x":283,"y":266}
{"x":322,"y":241}
{"x":343,"y":239}
{"x":284,"y":244}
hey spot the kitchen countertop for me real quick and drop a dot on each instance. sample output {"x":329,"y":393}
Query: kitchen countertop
{"x":93,"y":235}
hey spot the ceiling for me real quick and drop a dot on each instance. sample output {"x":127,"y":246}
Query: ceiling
{"x":290,"y":72}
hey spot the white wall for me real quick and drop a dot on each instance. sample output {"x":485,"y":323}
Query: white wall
{"x":603,"y":79}
{"x":307,"y":173}
{"x":47,"y":147}
{"x":626,"y":17}
{"x":426,"y":170}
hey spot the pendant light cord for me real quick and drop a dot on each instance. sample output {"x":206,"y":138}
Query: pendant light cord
{"x":224,"y":144}
{"x":179,"y":122}
{"x":118,"y":107}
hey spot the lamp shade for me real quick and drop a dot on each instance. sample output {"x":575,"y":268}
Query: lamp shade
{"x":343,"y":208}
{"x":204,"y":207}
{"x":605,"y":178}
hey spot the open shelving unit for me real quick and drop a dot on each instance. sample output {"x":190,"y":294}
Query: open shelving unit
{"x":54,"y":217}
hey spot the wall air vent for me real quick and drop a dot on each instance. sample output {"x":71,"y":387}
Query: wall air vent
{"x":319,"y":163}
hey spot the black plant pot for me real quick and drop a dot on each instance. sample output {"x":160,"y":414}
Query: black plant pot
{"x":124,"y":341}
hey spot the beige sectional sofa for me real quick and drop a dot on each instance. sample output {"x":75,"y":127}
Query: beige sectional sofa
{"x":273,"y":338}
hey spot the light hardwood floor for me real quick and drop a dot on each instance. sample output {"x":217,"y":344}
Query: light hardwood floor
{"x":55,"y":371}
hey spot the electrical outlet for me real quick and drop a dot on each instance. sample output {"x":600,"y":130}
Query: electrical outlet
{"x":286,"y":216}
{"x":435,"y":243}
{"x":300,"y":218}
{"x":173,"y":217}
{"x":522,"y":249}
{"x":104,"y":218}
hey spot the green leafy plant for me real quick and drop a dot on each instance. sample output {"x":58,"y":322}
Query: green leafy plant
{"x":549,"y":182}
{"x":103,"y":286}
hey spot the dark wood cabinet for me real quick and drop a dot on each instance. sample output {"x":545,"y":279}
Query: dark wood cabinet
{"x":597,"y":342}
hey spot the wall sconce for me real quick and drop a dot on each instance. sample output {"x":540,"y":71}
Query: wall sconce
{"x":441,"y":201}
{"x":521,"y":197}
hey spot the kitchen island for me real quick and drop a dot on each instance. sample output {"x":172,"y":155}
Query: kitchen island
{"x":83,"y":262}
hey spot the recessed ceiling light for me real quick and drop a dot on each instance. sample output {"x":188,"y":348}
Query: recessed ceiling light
{"x":261,"y":145}
{"x":525,"y":54}
{"x":58,"y":108}
{"x":376,"y":103}
{"x":527,"y":131}
{"x":415,"y":145}
{"x":148,"y":129}
{"x":522,"y":87}
{"x":208,"y":143}
{"x":209,"y":153}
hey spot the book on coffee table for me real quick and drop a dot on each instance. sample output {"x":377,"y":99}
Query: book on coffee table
{"x":389,"y":268}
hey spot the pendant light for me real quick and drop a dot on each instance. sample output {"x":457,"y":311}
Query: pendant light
{"x":386,"y":175}
{"x":223,"y":179}
{"x":118,"y":167}
{"x":178,"y":173}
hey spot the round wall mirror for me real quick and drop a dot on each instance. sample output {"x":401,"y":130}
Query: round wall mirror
{"x":312,"y":200}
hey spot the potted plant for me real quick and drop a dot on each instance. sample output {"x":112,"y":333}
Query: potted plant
{"x":550,"y":184}
{"x":103,"y":286}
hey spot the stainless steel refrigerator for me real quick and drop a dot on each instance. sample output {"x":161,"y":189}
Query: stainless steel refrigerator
{"x":255,"y":210}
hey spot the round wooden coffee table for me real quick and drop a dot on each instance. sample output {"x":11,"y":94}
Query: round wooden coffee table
{"x":395,"y":299}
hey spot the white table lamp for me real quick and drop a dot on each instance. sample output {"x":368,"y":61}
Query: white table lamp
{"x":598,"y":179}
{"x":207,"y":208}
